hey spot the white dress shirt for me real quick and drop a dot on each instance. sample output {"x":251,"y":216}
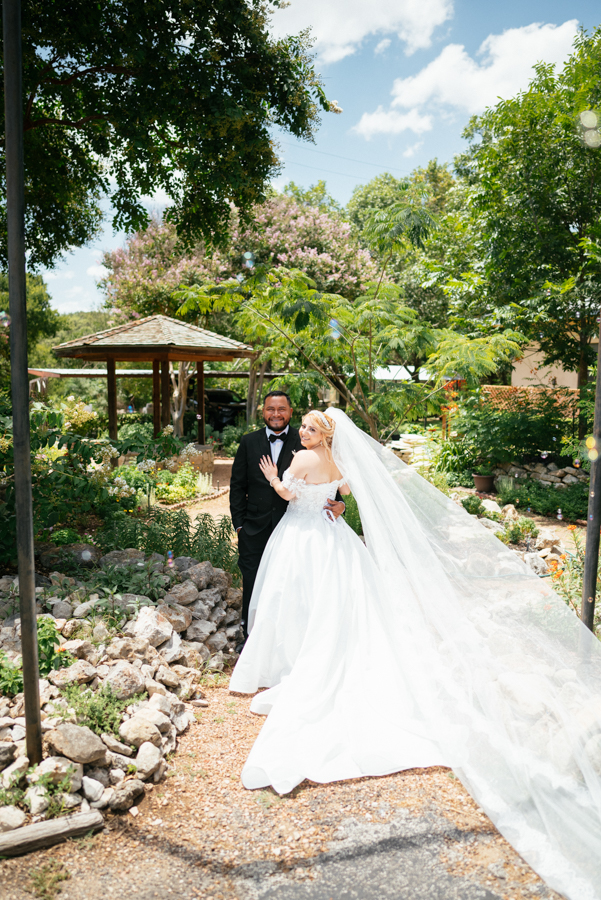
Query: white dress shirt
{"x":276,"y":446}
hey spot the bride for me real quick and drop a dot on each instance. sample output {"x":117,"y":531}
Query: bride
{"x":433,"y":644}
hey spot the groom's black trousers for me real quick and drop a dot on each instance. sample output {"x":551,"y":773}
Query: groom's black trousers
{"x":250,"y":550}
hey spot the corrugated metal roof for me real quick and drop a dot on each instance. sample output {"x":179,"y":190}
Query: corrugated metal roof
{"x":157,"y":331}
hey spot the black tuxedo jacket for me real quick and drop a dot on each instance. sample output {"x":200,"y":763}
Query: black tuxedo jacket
{"x":253,"y":503}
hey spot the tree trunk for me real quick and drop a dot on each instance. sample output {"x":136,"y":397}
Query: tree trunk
{"x":180,"y":395}
{"x":582,"y":382}
{"x":252,"y":388}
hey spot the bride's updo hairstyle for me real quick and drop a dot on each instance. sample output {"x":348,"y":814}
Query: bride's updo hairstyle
{"x":326,"y":425}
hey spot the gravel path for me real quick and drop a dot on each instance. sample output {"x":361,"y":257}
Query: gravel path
{"x":416,"y":835}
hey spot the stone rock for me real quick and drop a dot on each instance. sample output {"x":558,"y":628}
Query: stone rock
{"x":592,"y":750}
{"x":182,"y":563}
{"x":18,"y":733}
{"x":153,"y":687}
{"x":211,"y":597}
{"x":80,"y":649}
{"x":527,"y":692}
{"x":7,"y":753}
{"x":125,"y":681}
{"x":200,"y":610}
{"x":200,"y":630}
{"x":231,"y":616}
{"x":217,"y":641}
{"x":126,"y":648}
{"x":118,"y":761}
{"x":218,"y":615}
{"x":121,"y":558}
{"x":491,"y":506}
{"x":70,"y":801}
{"x":182,"y":721}
{"x":116,"y":776}
{"x":538,"y":565}
{"x":10,"y":818}
{"x":491,"y":525}
{"x":126,"y":795}
{"x":160,"y":703}
{"x":98,"y":774}
{"x":147,"y":760}
{"x":221,"y":581}
{"x":152,"y":626}
{"x":62,"y":610}
{"x":137,"y":731}
{"x":92,"y":789}
{"x":182,"y":594}
{"x":167,"y":677}
{"x":194,"y":654}
{"x":233,"y":598}
{"x":179,"y":616}
{"x":76,"y":742}
{"x":100,"y":632}
{"x":84,"y":609}
{"x":56,"y":768}
{"x":169,"y":741}
{"x":37,"y":799}
{"x":549,"y":479}
{"x":116,"y":746}
{"x":79,"y":673}
{"x":157,"y":718}
{"x":569,"y":479}
{"x":217,"y":661}
{"x":201,"y":575}
{"x":172,"y":650}
{"x":107,"y":795}
{"x":70,"y":627}
{"x":15,"y":772}
{"x":546,"y":538}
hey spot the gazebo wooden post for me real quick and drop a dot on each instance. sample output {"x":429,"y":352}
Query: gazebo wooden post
{"x":156,"y":397}
{"x":111,"y":386}
{"x":200,"y":398}
{"x":165,"y":405}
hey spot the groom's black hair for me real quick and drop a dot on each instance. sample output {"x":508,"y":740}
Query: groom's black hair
{"x":278,"y":394}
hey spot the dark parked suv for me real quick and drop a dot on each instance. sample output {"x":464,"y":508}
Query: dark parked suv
{"x":223,"y":407}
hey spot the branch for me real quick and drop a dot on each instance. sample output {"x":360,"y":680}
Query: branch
{"x":66,"y":122}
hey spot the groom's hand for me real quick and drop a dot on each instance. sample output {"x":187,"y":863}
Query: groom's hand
{"x":337,"y":507}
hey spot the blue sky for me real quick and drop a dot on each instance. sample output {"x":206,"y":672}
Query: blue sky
{"x":408,"y":75}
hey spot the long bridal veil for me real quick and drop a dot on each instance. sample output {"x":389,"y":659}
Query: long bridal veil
{"x":507,"y":676}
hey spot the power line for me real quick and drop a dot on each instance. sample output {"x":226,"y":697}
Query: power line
{"x":347,"y":158}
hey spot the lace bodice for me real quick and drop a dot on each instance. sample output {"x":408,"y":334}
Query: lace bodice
{"x":309,"y":499}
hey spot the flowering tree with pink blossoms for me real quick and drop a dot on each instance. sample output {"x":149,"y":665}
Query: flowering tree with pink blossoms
{"x":144,"y":275}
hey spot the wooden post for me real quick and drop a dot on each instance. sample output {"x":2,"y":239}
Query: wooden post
{"x":156,"y":397}
{"x":15,"y":220}
{"x":593,"y":524}
{"x":165,"y":405}
{"x":200,"y":399}
{"x":111,"y":386}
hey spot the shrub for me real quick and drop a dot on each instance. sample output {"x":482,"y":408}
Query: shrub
{"x":520,"y":530}
{"x":135,"y":578}
{"x":184,"y":484}
{"x":546,"y":499}
{"x":100,"y":710}
{"x":162,"y":530}
{"x":65,"y":536}
{"x":49,"y":658}
{"x":473,"y":505}
{"x":351,"y":515}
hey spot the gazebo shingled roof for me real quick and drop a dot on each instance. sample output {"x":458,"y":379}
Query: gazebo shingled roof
{"x":162,"y":340}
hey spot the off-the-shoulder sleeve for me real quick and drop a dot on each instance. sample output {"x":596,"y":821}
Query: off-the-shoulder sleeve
{"x":292,"y":484}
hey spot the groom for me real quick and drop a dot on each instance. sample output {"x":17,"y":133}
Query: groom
{"x":255,"y":507}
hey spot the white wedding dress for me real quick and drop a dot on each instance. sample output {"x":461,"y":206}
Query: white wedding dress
{"x":434,"y":644}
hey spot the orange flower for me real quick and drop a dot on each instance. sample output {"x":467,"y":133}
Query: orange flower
{"x":563,"y":556}
{"x":571,"y":528}
{"x":556,"y":575}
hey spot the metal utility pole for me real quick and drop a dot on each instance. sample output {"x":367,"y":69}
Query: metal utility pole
{"x":593,"y":519}
{"x":15,"y":206}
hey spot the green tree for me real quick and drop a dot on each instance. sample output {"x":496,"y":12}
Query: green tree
{"x":536,"y":195}
{"x":315,"y":197}
{"x":42,"y":320}
{"x":127,"y":97}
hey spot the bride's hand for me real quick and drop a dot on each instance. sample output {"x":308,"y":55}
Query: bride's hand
{"x":269,"y":470}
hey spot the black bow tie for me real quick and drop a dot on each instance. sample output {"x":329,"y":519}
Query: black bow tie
{"x":278,"y":437}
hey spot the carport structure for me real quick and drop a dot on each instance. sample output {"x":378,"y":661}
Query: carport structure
{"x":160,"y":340}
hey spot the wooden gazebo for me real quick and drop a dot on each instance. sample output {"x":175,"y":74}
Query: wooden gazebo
{"x":161,"y":340}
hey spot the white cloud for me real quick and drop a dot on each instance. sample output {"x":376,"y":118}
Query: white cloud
{"x":412,"y":150}
{"x":97,"y":271}
{"x":390,"y":121}
{"x":455,"y":80}
{"x":340,"y":26}
{"x":382,"y":46}
{"x":50,"y":275}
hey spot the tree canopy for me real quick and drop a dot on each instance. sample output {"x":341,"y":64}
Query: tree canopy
{"x":128,"y":97}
